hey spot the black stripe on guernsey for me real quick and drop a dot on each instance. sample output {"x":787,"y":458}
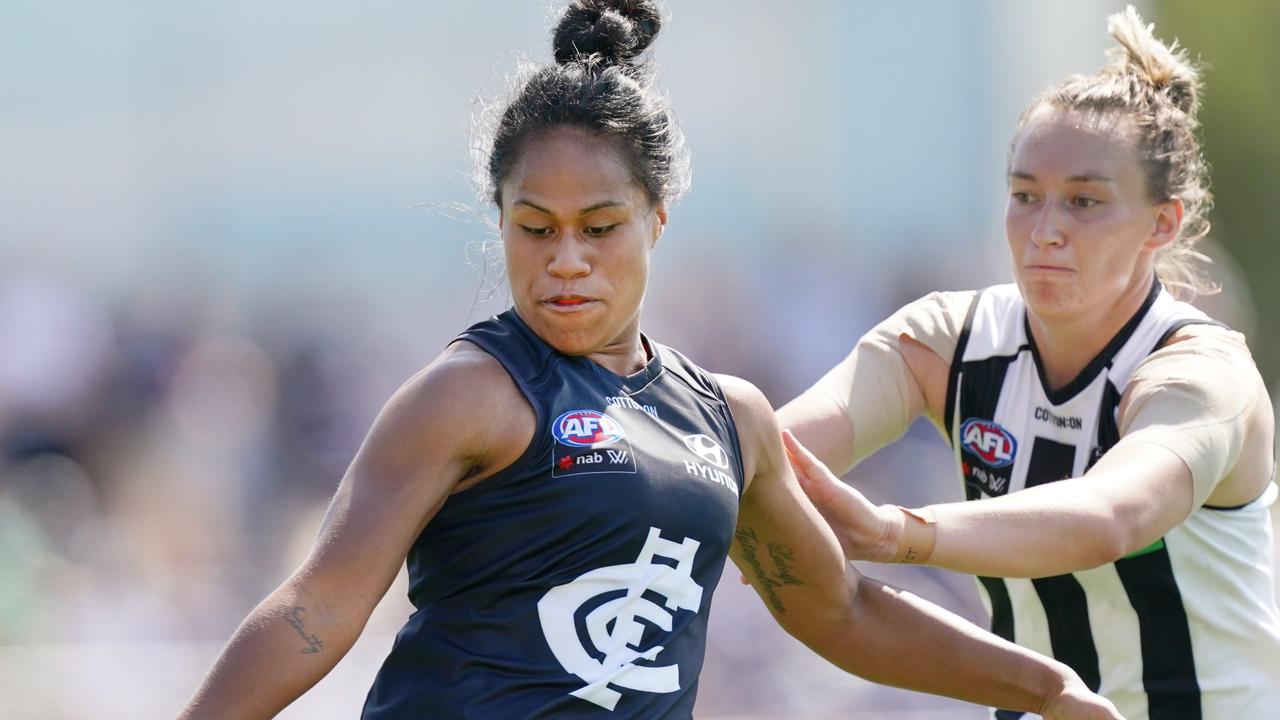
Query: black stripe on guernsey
{"x":1168,"y":665}
{"x":1098,"y":363}
{"x":953,"y":375}
{"x":1063,"y":598}
{"x":1108,"y":429}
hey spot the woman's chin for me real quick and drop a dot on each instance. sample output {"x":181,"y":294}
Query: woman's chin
{"x":569,"y":341}
{"x":1048,"y":300}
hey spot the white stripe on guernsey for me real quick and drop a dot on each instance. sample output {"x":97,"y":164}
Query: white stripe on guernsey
{"x":997,"y":324}
{"x":1223,"y":569}
{"x":1118,"y":638}
{"x":1030,"y":626}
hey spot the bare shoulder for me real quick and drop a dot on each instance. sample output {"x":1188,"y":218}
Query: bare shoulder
{"x":1203,"y":384}
{"x":1211,"y":359}
{"x":751,"y":409}
{"x":458,"y":386}
{"x":757,"y":426}
{"x":464,"y":402}
{"x":928,"y":331}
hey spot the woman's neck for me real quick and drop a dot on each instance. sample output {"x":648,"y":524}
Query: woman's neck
{"x":625,"y":355}
{"x":1067,"y":345}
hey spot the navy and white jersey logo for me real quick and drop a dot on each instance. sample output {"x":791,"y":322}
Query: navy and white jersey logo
{"x":588,"y":441}
{"x":600,"y":624}
{"x":714,"y":465}
{"x":586,"y":428}
{"x":707,"y":449}
{"x":989,"y":441}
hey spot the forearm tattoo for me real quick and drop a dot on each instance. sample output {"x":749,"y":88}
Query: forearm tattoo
{"x":783,"y":558}
{"x":314,"y":644}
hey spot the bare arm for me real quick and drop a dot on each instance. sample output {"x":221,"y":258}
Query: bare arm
{"x":431,"y":436}
{"x":1183,"y":435}
{"x":794,"y":562}
{"x":1107,"y":514}
{"x":1129,"y":500}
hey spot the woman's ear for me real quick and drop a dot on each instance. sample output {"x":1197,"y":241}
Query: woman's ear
{"x":660,"y":213}
{"x":1168,"y":223}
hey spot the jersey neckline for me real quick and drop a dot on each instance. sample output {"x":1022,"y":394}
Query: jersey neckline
{"x":1100,"y":362}
{"x":632,"y":383}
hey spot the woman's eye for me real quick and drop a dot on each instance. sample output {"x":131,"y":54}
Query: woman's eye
{"x":536,"y":231}
{"x":1022,"y":196}
{"x":599,"y":230}
{"x":1084,"y":202}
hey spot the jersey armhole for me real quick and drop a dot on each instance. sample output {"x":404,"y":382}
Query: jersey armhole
{"x":536,"y":441}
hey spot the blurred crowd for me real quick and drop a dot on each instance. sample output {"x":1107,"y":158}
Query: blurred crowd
{"x":157,"y":460}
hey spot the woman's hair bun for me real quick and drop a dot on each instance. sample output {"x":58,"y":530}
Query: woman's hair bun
{"x":1164,"y":68}
{"x":612,"y":32}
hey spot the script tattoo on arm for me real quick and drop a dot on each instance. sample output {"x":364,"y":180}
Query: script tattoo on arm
{"x":783,"y":558}
{"x":314,"y":644}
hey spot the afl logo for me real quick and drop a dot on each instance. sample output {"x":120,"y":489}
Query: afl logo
{"x":586,"y":428}
{"x":707,"y":449}
{"x":989,"y":441}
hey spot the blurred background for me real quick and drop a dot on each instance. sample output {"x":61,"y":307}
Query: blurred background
{"x":228,"y":231}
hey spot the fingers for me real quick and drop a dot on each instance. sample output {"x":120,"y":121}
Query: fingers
{"x":814,"y":477}
{"x":800,"y":455}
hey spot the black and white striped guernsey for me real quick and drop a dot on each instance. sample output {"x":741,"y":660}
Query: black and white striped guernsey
{"x":1169,"y":632}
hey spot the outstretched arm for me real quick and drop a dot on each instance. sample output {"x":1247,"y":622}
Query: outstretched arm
{"x":1107,"y":514}
{"x":794,"y":562}
{"x":428,"y":438}
{"x":1184,"y":429}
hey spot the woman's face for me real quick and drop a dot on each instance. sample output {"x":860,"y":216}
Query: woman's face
{"x":577,"y":230}
{"x":1081,"y":229}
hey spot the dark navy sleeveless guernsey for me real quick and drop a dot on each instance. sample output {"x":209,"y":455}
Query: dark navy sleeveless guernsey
{"x":575,"y":583}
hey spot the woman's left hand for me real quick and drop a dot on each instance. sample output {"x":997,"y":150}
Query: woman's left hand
{"x":866,"y":531}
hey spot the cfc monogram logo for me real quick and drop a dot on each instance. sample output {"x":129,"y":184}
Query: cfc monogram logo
{"x":613,"y":628}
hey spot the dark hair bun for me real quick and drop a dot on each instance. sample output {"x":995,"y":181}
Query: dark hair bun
{"x":612,"y":32}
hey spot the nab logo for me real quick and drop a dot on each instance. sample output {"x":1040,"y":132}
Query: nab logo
{"x":707,"y":449}
{"x":989,"y":441}
{"x":586,"y":428}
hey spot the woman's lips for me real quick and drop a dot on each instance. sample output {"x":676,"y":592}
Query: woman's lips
{"x":569,"y":303}
{"x":1049,"y":270}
